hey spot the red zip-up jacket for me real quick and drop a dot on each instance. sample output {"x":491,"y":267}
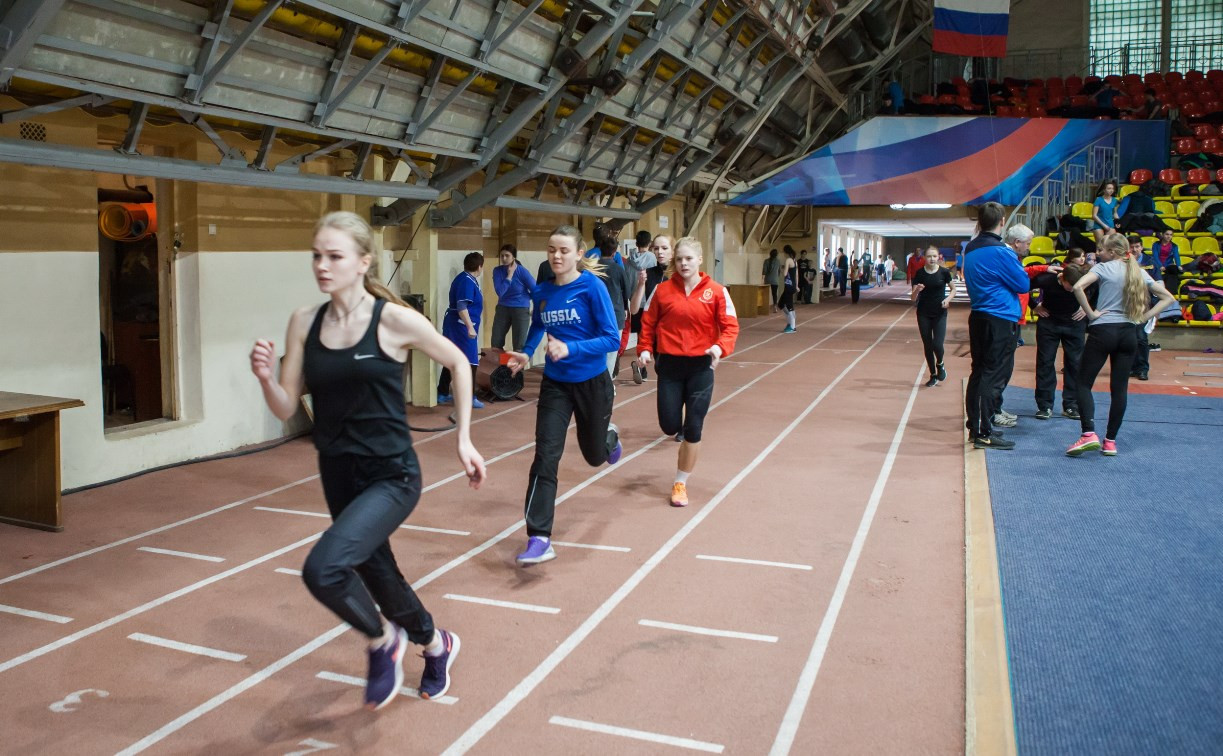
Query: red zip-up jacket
{"x":685,"y":325}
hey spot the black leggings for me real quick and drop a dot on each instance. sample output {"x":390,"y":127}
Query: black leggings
{"x":352,"y":567}
{"x":590,"y":403}
{"x":773,"y":293}
{"x":786,"y":302}
{"x":685,"y":388}
{"x":933,"y":329}
{"x":443,"y":381}
{"x":1115,"y":343}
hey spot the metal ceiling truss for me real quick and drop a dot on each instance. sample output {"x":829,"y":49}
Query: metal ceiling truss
{"x":605,"y":98}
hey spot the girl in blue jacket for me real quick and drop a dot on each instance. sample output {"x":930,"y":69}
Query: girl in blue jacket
{"x":575,"y":312}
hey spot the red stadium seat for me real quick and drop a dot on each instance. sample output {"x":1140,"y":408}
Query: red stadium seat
{"x":1079,"y":101}
{"x":1214,"y":106}
{"x":1121,"y":101}
{"x":1184,"y":98}
{"x":1214,"y":75}
{"x":1214,"y":146}
{"x":1194,"y":76}
{"x":1185,"y":146}
{"x":1153,"y":77}
{"x":1198,"y":176}
{"x":1055,"y":101}
{"x":1171,"y":176}
{"x":1073,"y":85}
{"x":1005,"y":111}
{"x":1131,"y":79}
{"x":1037,"y":111}
{"x":1193,"y":110}
{"x":1219,"y":175}
{"x":1203,"y":131}
{"x":925,"y":99}
{"x":1140,"y":176}
{"x":1173,"y":76}
{"x":946,"y":99}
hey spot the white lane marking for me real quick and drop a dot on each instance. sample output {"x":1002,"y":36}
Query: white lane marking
{"x":34,"y":615}
{"x":154,"y":531}
{"x":288,"y":571}
{"x":189,"y":648}
{"x":524,"y":688}
{"x":70,"y":702}
{"x":209,"y":513}
{"x":806,"y":679}
{"x":312,"y":745}
{"x":624,"y":732}
{"x":761,"y":562}
{"x":708,"y":631}
{"x":359,"y":682}
{"x":183,"y":554}
{"x":444,"y":531}
{"x":236,"y":690}
{"x":148,"y":605}
{"x":503,"y":604}
{"x":278,"y":510}
{"x":596,"y":546}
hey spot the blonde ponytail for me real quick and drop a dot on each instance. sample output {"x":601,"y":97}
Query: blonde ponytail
{"x":1135,"y":297}
{"x":356,"y":227}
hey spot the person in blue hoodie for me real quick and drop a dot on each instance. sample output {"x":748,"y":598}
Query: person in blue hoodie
{"x":574,"y":311}
{"x":994,"y":279}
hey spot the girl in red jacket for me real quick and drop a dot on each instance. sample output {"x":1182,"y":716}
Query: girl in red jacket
{"x":690,"y":326}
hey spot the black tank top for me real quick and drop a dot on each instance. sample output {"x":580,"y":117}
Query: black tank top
{"x":357,"y":393}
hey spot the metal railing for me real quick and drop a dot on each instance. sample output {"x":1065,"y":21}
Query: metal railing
{"x":1075,"y":179}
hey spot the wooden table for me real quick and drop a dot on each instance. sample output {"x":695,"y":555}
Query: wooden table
{"x":751,"y":300}
{"x":29,"y":459}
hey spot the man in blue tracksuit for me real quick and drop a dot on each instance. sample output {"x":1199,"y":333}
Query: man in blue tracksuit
{"x":995,"y":279}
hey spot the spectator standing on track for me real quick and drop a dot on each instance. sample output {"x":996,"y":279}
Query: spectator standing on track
{"x":513,"y":285}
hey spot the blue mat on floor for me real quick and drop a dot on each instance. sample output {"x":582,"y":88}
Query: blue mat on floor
{"x":1112,"y":578}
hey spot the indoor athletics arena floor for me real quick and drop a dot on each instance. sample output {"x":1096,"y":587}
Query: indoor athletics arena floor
{"x":809,"y":600}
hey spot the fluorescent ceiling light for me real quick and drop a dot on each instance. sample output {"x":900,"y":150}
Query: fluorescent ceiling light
{"x":921,"y":206}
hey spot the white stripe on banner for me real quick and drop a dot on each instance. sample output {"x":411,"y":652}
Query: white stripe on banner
{"x":975,"y":6}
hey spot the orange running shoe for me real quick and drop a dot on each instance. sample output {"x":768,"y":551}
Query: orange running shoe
{"x":679,"y":495}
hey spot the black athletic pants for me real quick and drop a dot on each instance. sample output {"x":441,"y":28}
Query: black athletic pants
{"x":933,"y":329}
{"x":841,"y":282}
{"x":685,"y":388}
{"x":855,"y":290}
{"x":1116,"y":344}
{"x":991,"y":342}
{"x":1069,"y":335}
{"x":506,"y":318}
{"x":827,"y":278}
{"x":1142,"y":354}
{"x":352,"y":567}
{"x":786,"y":301}
{"x":590,"y":402}
{"x":773,"y":293}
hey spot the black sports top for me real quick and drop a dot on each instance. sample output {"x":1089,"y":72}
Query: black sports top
{"x":357,"y":393}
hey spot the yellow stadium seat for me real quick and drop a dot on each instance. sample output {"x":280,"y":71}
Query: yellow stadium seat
{"x":1127,"y":190}
{"x":1147,"y":242}
{"x":1058,"y":259}
{"x":1205,"y":244}
{"x":1164,"y":207}
{"x":1033,"y":260}
{"x":1041,"y":245}
{"x":1081,"y":210}
{"x":1172,"y":223}
{"x":1182,"y":244}
{"x":1191,"y":228}
{"x":1187,"y":209}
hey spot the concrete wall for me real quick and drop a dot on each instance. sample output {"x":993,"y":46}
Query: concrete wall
{"x":1047,"y":24}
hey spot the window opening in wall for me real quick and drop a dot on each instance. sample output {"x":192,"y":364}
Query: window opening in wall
{"x":133,"y":280}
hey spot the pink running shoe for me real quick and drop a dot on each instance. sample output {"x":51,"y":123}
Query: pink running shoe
{"x":1109,"y":449}
{"x":1087,"y":442}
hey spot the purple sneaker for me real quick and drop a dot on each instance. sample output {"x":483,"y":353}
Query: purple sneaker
{"x":385,"y":676}
{"x":539,"y":549}
{"x":617,"y":451}
{"x":436,"y":680}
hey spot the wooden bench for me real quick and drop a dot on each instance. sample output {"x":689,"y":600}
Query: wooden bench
{"x":29,"y":459}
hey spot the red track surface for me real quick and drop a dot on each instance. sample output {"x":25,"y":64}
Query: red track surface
{"x":821,"y":452}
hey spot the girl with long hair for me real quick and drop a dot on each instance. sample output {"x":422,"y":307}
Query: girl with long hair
{"x":932,"y":292}
{"x":789,"y":278}
{"x":350,"y":353}
{"x":1104,"y":209}
{"x":690,"y":326}
{"x":1124,"y":299}
{"x":513,"y":284}
{"x":574,"y":311}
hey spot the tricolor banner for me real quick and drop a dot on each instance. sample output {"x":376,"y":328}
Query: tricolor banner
{"x":972,"y":28}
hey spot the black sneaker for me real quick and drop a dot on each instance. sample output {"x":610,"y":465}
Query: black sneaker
{"x":1143,"y":376}
{"x":932,"y":382}
{"x":1071,"y":412}
{"x":993,"y":441}
{"x":1044,"y":414}
{"x":942,"y":372}
{"x":1155,"y":347}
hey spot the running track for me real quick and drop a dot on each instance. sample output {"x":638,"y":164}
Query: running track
{"x":826,"y":471}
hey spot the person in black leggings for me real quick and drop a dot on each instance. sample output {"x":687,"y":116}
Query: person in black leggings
{"x":1123,"y":300}
{"x":351,"y":353}
{"x":690,"y":326}
{"x":785,"y":303}
{"x":932,"y":290}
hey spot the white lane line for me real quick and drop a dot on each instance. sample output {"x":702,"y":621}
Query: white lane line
{"x":288,"y":571}
{"x":209,"y":513}
{"x":624,"y":732}
{"x":761,"y":562}
{"x":443,"y":531}
{"x":189,"y":648}
{"x":708,"y":631}
{"x":236,"y":690}
{"x":148,"y":605}
{"x":503,"y":604}
{"x":34,"y":615}
{"x":524,"y":688}
{"x":154,"y":531}
{"x":183,"y":554}
{"x":806,"y":679}
{"x":303,"y":512}
{"x":596,"y":546}
{"x":359,"y":682}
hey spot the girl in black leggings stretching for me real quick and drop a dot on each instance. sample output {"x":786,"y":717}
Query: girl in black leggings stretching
{"x":932,"y":290}
{"x":1123,"y":301}
{"x":690,"y":326}
{"x":351,"y":353}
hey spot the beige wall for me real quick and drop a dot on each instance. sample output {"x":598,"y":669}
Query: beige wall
{"x":1047,"y":24}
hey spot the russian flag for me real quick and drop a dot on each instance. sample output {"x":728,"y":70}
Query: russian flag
{"x":972,"y":28}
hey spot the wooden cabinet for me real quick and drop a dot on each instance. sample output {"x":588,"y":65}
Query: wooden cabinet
{"x":751,"y":300}
{"x":29,"y":459}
